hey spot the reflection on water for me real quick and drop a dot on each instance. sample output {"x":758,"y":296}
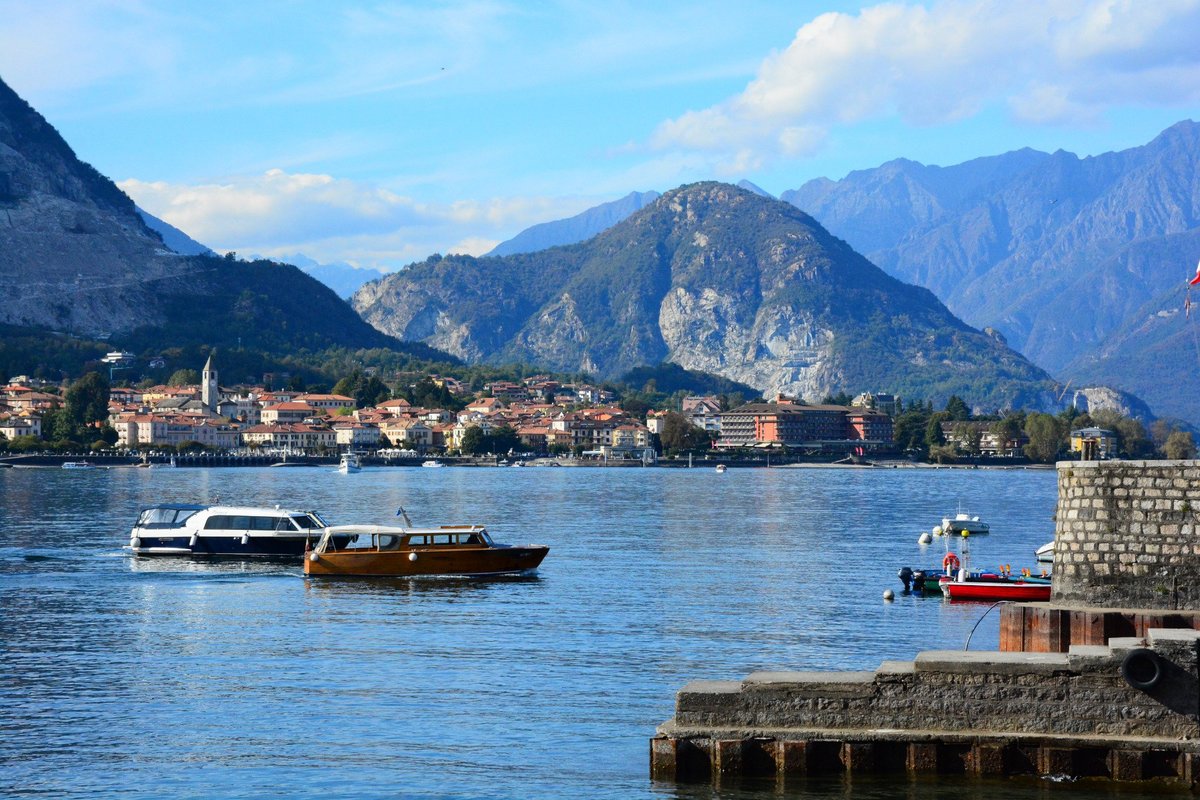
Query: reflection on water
{"x":223,"y":678}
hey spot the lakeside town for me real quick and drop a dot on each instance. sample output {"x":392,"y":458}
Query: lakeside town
{"x":537,"y":416}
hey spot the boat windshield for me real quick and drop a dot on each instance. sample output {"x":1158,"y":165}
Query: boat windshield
{"x":309,"y":521}
{"x":164,"y":517}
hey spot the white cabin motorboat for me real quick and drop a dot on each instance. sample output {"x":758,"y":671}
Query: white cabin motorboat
{"x":350,"y":462}
{"x":179,"y":529}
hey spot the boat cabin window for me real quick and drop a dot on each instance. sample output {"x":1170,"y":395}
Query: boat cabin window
{"x":308,"y":522}
{"x":419,"y":540}
{"x":164,"y":517}
{"x":388,"y":541}
{"x":227,"y":522}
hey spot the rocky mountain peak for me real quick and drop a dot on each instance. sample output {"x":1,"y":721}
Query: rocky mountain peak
{"x":711,"y":277}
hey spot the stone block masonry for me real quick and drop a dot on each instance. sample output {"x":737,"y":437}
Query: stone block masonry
{"x":1127,"y":535}
{"x":979,"y":713}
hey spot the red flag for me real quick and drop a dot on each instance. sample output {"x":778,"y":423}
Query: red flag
{"x":1196,"y":279}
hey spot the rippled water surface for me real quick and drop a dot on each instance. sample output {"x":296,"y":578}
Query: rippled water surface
{"x":156,"y":677}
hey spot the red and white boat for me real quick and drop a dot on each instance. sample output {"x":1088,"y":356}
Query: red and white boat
{"x":997,"y":587}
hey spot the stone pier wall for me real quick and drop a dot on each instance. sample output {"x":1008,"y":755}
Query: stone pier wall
{"x":1127,"y":535}
{"x":1071,"y":713}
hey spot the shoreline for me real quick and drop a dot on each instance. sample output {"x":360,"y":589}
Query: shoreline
{"x":208,"y":460}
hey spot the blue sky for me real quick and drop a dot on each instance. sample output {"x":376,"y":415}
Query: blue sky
{"x":378,"y":133}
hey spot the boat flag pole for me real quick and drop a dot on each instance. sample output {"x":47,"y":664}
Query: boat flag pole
{"x":400,"y":512}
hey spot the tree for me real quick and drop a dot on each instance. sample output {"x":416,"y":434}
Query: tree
{"x":503,"y":439}
{"x":1008,"y":430}
{"x":366,"y":390}
{"x":24,"y":444}
{"x":957,"y":408}
{"x":908,"y":431}
{"x":969,"y":436}
{"x":635,"y":406}
{"x":1135,"y":442}
{"x":472,"y":441}
{"x":933,"y":429}
{"x":87,"y":400}
{"x":678,"y":433}
{"x":184,"y":377}
{"x":943,"y":454}
{"x":1046,"y":437}
{"x":57,"y":425}
{"x":1179,"y":445}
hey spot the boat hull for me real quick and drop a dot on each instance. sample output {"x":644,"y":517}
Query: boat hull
{"x":225,"y":545}
{"x":497,"y":560}
{"x":997,"y":590}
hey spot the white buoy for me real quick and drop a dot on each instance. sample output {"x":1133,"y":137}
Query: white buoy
{"x":412,"y":556}
{"x":195,"y":538}
{"x":937,"y":530}
{"x":314,"y":557}
{"x":925,"y":538}
{"x":245,"y":538}
{"x":888,"y":595}
{"x":135,"y":543}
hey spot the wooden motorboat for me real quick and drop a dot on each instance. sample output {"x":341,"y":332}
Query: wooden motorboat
{"x":387,"y":551}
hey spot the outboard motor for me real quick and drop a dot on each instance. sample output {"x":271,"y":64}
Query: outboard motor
{"x":918,"y":579}
{"x":906,"y":575}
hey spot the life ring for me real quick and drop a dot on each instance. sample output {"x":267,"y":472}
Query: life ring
{"x":950,"y":563}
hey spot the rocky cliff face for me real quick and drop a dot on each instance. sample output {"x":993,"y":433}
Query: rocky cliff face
{"x":78,"y":258}
{"x":710,"y":277}
{"x":71,"y":243}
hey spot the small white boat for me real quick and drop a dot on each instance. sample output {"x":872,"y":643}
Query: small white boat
{"x":721,"y":468}
{"x":350,"y":462}
{"x":962,"y":522}
{"x":432,"y":463}
{"x":1045,"y":553}
{"x":78,"y":465}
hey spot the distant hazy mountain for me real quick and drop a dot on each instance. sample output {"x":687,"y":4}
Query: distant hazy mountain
{"x":713,"y":278}
{"x":174,"y":238}
{"x":1058,"y":253}
{"x":344,"y":279}
{"x":750,"y":187}
{"x":574,"y":229}
{"x":83,"y":262}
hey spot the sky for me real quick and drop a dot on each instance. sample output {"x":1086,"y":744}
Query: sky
{"x":378,"y":133}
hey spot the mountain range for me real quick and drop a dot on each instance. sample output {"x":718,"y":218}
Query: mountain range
{"x":1069,"y":258}
{"x":714,"y":278}
{"x":574,"y":229}
{"x":1079,"y":263}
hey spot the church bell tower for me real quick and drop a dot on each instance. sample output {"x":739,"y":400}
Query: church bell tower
{"x":209,"y":394}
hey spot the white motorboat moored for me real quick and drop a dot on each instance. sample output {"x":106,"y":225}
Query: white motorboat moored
{"x":180,"y":529}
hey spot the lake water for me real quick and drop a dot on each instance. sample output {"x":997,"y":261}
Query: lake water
{"x":140,"y":678}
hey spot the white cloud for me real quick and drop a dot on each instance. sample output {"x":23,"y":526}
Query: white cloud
{"x":1060,"y":61}
{"x":331,"y":219}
